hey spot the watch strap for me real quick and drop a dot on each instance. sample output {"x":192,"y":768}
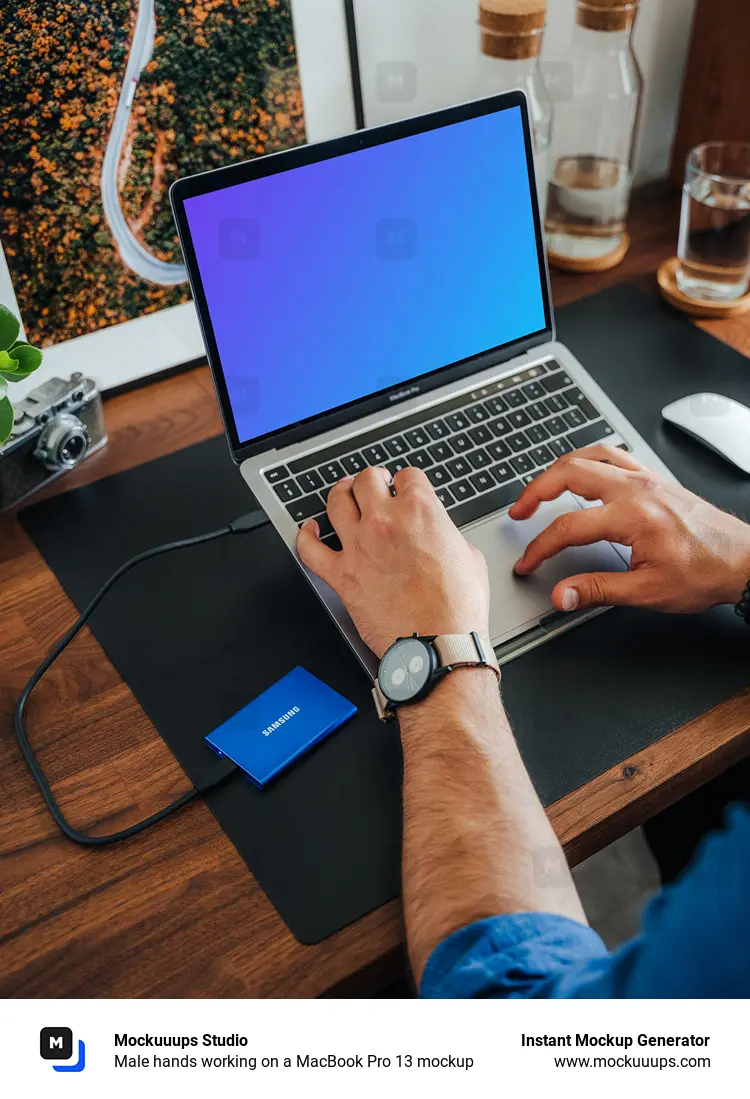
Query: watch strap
{"x":454,"y":650}
{"x":742,"y":610}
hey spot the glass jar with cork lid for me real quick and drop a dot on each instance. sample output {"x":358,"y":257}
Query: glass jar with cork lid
{"x":511,"y":33}
{"x":596,"y":91}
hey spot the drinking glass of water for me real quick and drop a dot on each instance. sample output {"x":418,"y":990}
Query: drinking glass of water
{"x":714,"y":248}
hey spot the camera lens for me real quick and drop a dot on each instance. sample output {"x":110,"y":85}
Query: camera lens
{"x":63,"y":443}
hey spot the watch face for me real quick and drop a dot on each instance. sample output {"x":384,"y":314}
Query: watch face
{"x":406,"y":669}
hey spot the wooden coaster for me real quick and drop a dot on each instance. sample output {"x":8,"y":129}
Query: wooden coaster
{"x":719,"y":310}
{"x":590,"y":266}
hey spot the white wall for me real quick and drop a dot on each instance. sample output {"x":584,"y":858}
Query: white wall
{"x":436,"y":41}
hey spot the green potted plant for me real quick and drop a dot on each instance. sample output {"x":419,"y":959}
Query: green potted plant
{"x":18,"y":359}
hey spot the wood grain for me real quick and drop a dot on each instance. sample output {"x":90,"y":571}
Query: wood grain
{"x":716,"y":87}
{"x":175,"y":912}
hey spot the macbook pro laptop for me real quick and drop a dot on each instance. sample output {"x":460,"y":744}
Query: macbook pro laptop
{"x":383,"y":299}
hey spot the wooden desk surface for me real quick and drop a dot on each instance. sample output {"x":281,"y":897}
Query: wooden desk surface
{"x":175,"y":912}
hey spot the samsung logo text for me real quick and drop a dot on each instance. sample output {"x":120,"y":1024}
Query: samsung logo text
{"x":280,"y":721}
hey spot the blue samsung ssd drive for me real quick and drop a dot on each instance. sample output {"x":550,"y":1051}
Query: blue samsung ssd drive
{"x":280,"y":725}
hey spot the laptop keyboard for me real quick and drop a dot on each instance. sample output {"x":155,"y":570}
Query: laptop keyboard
{"x":478,"y":450}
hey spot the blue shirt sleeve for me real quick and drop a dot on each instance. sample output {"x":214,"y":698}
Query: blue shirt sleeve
{"x":693,"y":942}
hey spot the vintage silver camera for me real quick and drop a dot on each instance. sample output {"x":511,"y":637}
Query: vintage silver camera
{"x":56,"y":426}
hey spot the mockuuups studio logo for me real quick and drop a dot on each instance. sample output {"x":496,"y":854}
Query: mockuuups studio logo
{"x":56,"y":1044}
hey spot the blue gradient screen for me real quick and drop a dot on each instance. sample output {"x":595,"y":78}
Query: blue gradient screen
{"x":330,"y":282}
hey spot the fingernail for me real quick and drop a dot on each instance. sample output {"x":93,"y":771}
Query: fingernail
{"x":570,"y":599}
{"x":310,"y":524}
{"x":518,"y":565}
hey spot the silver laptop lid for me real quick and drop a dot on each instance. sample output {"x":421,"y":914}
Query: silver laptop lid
{"x":337,"y":279}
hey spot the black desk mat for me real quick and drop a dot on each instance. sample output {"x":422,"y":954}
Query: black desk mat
{"x":199,"y":633}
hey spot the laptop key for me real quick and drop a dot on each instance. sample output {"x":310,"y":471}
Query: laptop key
{"x":519,"y":442}
{"x":353,"y":464}
{"x":309,"y":482}
{"x":463,"y":490}
{"x":416,"y":438}
{"x":579,"y":400}
{"x":537,"y":433}
{"x":560,"y":447}
{"x":556,"y":403}
{"x":396,"y":447}
{"x":420,"y":459}
{"x":530,"y":477}
{"x":499,"y":451}
{"x":501,"y":426}
{"x":477,"y":413}
{"x":479,"y":506}
{"x":376,"y":455}
{"x":459,"y":467}
{"x":441,"y":452}
{"x":332,"y":472}
{"x":397,"y":465}
{"x":438,"y":476}
{"x":461,"y":443}
{"x":496,"y":405}
{"x":332,"y":541}
{"x":446,"y":497}
{"x":479,"y":459}
{"x":457,"y":421}
{"x":537,"y":411}
{"x":287,"y":491}
{"x":542,"y":455}
{"x":305,"y":508}
{"x":480,"y":435}
{"x":519,"y":419}
{"x":574,"y":417}
{"x":534,"y":390}
{"x":556,"y":425}
{"x":591,"y":433}
{"x":482,"y":481}
{"x":524,"y":463}
{"x":502,"y":473}
{"x":515,"y":398}
{"x":273,"y":476}
{"x":553,"y":382}
{"x":324,"y":523}
{"x":438,"y":429}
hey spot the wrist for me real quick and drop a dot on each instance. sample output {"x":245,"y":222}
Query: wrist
{"x":461,"y":698}
{"x":737,"y":575}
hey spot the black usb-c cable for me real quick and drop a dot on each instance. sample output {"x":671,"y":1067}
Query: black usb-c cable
{"x":243,"y":525}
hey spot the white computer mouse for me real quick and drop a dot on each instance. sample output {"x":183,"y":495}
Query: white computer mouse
{"x":718,"y":422}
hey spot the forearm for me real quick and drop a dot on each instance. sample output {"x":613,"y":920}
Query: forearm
{"x":477,"y":841}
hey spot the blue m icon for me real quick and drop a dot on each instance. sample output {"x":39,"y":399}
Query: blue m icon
{"x":80,"y":1064}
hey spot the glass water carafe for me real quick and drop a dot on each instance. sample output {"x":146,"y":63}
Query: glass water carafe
{"x":511,"y":33}
{"x":596,"y":90}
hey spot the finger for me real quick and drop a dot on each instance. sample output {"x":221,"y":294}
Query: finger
{"x":604,"y":589}
{"x":372,"y":489}
{"x":592,"y":480}
{"x":577,"y":528}
{"x":343,"y":510}
{"x":319,"y":558}
{"x":410,"y":480}
{"x":614,"y":455}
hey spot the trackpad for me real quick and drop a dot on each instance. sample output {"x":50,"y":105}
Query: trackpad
{"x":519,"y":602}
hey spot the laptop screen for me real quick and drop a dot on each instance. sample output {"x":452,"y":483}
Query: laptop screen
{"x":339,"y":279}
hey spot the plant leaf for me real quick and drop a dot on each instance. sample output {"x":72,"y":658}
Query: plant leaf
{"x":6,"y":419}
{"x":9,"y":328}
{"x":29,"y":358}
{"x":8,"y":365}
{"x":3,"y":386}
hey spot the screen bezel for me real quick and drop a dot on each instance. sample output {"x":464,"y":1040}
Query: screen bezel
{"x":288,"y":160}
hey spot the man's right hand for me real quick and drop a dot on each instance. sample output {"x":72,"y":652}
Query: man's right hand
{"x":687,"y":555}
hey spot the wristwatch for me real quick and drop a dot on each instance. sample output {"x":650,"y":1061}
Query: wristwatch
{"x":413,"y":665}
